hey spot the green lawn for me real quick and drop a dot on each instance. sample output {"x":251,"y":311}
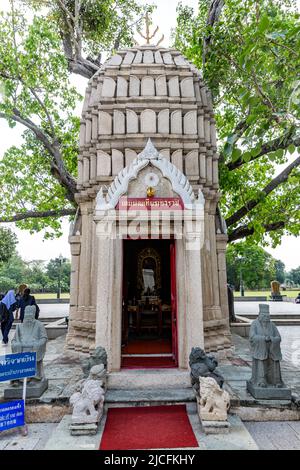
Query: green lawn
{"x":255,"y":293}
{"x":47,"y":295}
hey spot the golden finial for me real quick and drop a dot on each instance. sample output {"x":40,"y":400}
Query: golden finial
{"x":149,"y":36}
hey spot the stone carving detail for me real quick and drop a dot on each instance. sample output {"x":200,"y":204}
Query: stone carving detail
{"x":266,"y":381}
{"x":213,"y":403}
{"x":97,"y":357}
{"x":179,"y":181}
{"x":203,"y":365}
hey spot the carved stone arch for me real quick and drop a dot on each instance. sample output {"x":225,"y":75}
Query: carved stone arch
{"x":149,"y":156}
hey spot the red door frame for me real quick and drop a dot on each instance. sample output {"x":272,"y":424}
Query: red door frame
{"x":173,"y":293}
{"x":173,"y":301}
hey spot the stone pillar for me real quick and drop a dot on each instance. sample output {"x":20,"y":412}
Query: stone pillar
{"x":109,"y":295}
{"x":75,"y":244}
{"x":221,"y":251}
{"x":193,"y":277}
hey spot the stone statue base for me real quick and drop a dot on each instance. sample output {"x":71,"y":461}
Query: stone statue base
{"x":83,"y":429}
{"x":34,"y":389}
{"x":269,"y":393}
{"x":215,"y":427}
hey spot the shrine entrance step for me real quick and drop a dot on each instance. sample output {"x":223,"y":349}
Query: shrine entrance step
{"x":149,"y":379}
{"x":134,"y":397}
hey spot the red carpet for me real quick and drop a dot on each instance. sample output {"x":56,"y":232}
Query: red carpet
{"x":147,"y":362}
{"x":153,"y":346}
{"x":151,"y":427}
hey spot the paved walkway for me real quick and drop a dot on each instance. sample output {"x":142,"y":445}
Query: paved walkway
{"x":276,"y":308}
{"x":278,"y":435}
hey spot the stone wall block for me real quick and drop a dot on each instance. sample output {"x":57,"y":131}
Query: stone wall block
{"x":93,"y":167}
{"x":130,"y":155}
{"x":103,"y":163}
{"x":187,"y":87}
{"x":148,"y":57}
{"x":191,"y":163}
{"x":122,"y":87}
{"x":190,"y":123}
{"x":176,"y":122}
{"x":105,"y":123}
{"x":177,"y":160}
{"x":132,"y":122}
{"x":164,"y":121}
{"x":158,"y":58}
{"x":88,"y":131}
{"x":119,"y":122}
{"x":201,"y":127}
{"x":138,"y":57}
{"x":134,"y":86}
{"x":95,"y":127}
{"x":148,"y":121}
{"x":174,"y":87}
{"x":148,"y":88}
{"x":109,"y":87}
{"x":161,"y":86}
{"x":117,"y":161}
{"x":82,"y":134}
{"x":167,"y":58}
{"x":128,"y":59}
{"x":166,"y":154}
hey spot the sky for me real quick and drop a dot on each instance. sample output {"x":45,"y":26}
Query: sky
{"x":32,"y":246}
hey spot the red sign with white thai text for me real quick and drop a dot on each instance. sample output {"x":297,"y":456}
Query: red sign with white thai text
{"x":153,"y":203}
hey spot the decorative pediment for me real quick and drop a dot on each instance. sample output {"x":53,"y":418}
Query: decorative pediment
{"x":149,"y":156}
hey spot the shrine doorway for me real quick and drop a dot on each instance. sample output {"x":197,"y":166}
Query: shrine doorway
{"x":149,"y":331}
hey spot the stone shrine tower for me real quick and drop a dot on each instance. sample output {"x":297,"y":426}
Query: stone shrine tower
{"x":141,"y":93}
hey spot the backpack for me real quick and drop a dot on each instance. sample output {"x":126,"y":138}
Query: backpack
{"x":4,"y":313}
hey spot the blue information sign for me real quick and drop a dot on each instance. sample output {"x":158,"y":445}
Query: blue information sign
{"x":17,"y":366}
{"x":11,"y":414}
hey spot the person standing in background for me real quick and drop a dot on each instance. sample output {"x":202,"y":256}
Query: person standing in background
{"x":7,"y":306}
{"x":26,"y":300}
{"x":19,"y":294}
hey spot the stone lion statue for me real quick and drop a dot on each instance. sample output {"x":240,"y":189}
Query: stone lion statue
{"x":213,"y":402}
{"x":88,"y":401}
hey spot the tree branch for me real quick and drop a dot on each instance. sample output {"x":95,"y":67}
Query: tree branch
{"x":279,"y":179}
{"x":276,"y":144}
{"x":214,"y":14}
{"x":38,"y":215}
{"x":58,"y":169}
{"x":244,"y":231}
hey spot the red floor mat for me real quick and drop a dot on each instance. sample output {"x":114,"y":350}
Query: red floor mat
{"x":151,"y":427}
{"x":147,"y":362}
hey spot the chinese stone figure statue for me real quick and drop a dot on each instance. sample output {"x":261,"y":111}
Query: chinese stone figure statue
{"x":30,"y":336}
{"x":266,"y":381}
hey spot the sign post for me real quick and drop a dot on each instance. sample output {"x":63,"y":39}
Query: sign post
{"x":15,"y":367}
